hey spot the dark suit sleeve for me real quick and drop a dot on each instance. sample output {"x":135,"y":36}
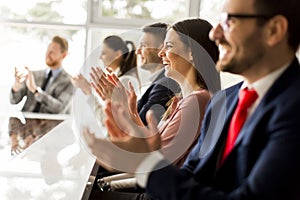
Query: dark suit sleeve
{"x":161,"y":92}
{"x":274,"y":174}
{"x":171,"y":183}
{"x":157,"y":100}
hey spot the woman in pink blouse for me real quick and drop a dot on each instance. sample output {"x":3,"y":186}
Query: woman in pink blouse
{"x":189,"y":58}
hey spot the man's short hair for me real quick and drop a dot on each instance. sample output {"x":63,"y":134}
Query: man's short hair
{"x":62,"y":42}
{"x":287,"y":8}
{"x":158,"y":29}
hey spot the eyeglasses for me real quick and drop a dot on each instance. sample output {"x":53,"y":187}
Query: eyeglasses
{"x":226,"y":17}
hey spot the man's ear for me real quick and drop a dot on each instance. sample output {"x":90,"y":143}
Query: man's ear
{"x":277,"y":30}
{"x":64,"y":54}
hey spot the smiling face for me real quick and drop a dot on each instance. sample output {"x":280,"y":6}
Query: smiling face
{"x":109,"y":57}
{"x":241,"y":41}
{"x":148,"y":50}
{"x":175,"y":55}
{"x":54,"y":55}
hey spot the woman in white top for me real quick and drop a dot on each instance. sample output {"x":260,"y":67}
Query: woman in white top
{"x":118,"y":56}
{"x":123,"y":61}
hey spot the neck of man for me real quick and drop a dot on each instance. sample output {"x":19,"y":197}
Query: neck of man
{"x":154,"y":67}
{"x":268,"y":65}
{"x":54,"y":67}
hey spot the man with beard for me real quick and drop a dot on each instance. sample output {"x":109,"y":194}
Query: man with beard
{"x":47,"y":91}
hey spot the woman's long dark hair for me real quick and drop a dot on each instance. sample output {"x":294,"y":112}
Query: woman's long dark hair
{"x":129,"y":58}
{"x":194,"y":34}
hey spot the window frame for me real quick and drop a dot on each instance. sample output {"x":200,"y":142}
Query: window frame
{"x":93,"y":21}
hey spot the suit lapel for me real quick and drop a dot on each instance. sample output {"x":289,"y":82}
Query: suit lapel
{"x":213,"y":142}
{"x":221,"y":110}
{"x":278,"y":87}
{"x":215,"y":126}
{"x":144,"y":97}
{"x":160,"y":75}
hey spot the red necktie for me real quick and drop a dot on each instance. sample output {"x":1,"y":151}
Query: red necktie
{"x":246,"y":99}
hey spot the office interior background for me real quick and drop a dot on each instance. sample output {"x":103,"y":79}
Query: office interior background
{"x":26,"y":28}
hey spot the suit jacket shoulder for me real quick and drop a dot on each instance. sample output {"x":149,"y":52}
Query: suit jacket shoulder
{"x":264,"y":162}
{"x":156,"y":96}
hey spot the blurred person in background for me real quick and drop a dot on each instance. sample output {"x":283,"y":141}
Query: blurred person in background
{"x":47,"y":91}
{"x":118,"y":57}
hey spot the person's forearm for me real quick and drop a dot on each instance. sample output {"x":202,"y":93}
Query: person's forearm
{"x":16,"y":87}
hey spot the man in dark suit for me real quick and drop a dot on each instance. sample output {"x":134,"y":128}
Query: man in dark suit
{"x":258,"y":39}
{"x":46,"y":93}
{"x":162,"y":89}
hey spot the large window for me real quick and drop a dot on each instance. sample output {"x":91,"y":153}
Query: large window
{"x":26,"y":28}
{"x":25,"y":32}
{"x":152,"y":9}
{"x":53,"y":11}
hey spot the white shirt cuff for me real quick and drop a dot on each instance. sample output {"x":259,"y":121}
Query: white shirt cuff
{"x":40,"y":94}
{"x":146,"y":167}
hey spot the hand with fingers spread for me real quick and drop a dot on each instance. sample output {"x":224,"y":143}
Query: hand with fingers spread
{"x":119,"y":93}
{"x":110,"y":122}
{"x":20,"y":78}
{"x":81,"y":82}
{"x":101,"y":84}
{"x":117,"y":154}
{"x":126,"y":97}
{"x":123,"y":151}
{"x":132,"y":104}
{"x":120,"y":125}
{"x":30,"y":81}
{"x":109,"y":87}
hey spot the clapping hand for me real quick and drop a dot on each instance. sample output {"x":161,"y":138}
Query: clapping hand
{"x":30,"y":81}
{"x":81,"y":82}
{"x":20,"y":77}
{"x":109,"y":87}
{"x":124,"y":150}
{"x":101,"y":84}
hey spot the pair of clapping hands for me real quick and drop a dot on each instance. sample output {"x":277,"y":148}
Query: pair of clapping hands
{"x":128,"y":141}
{"x":24,"y":75}
{"x":109,"y":87}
